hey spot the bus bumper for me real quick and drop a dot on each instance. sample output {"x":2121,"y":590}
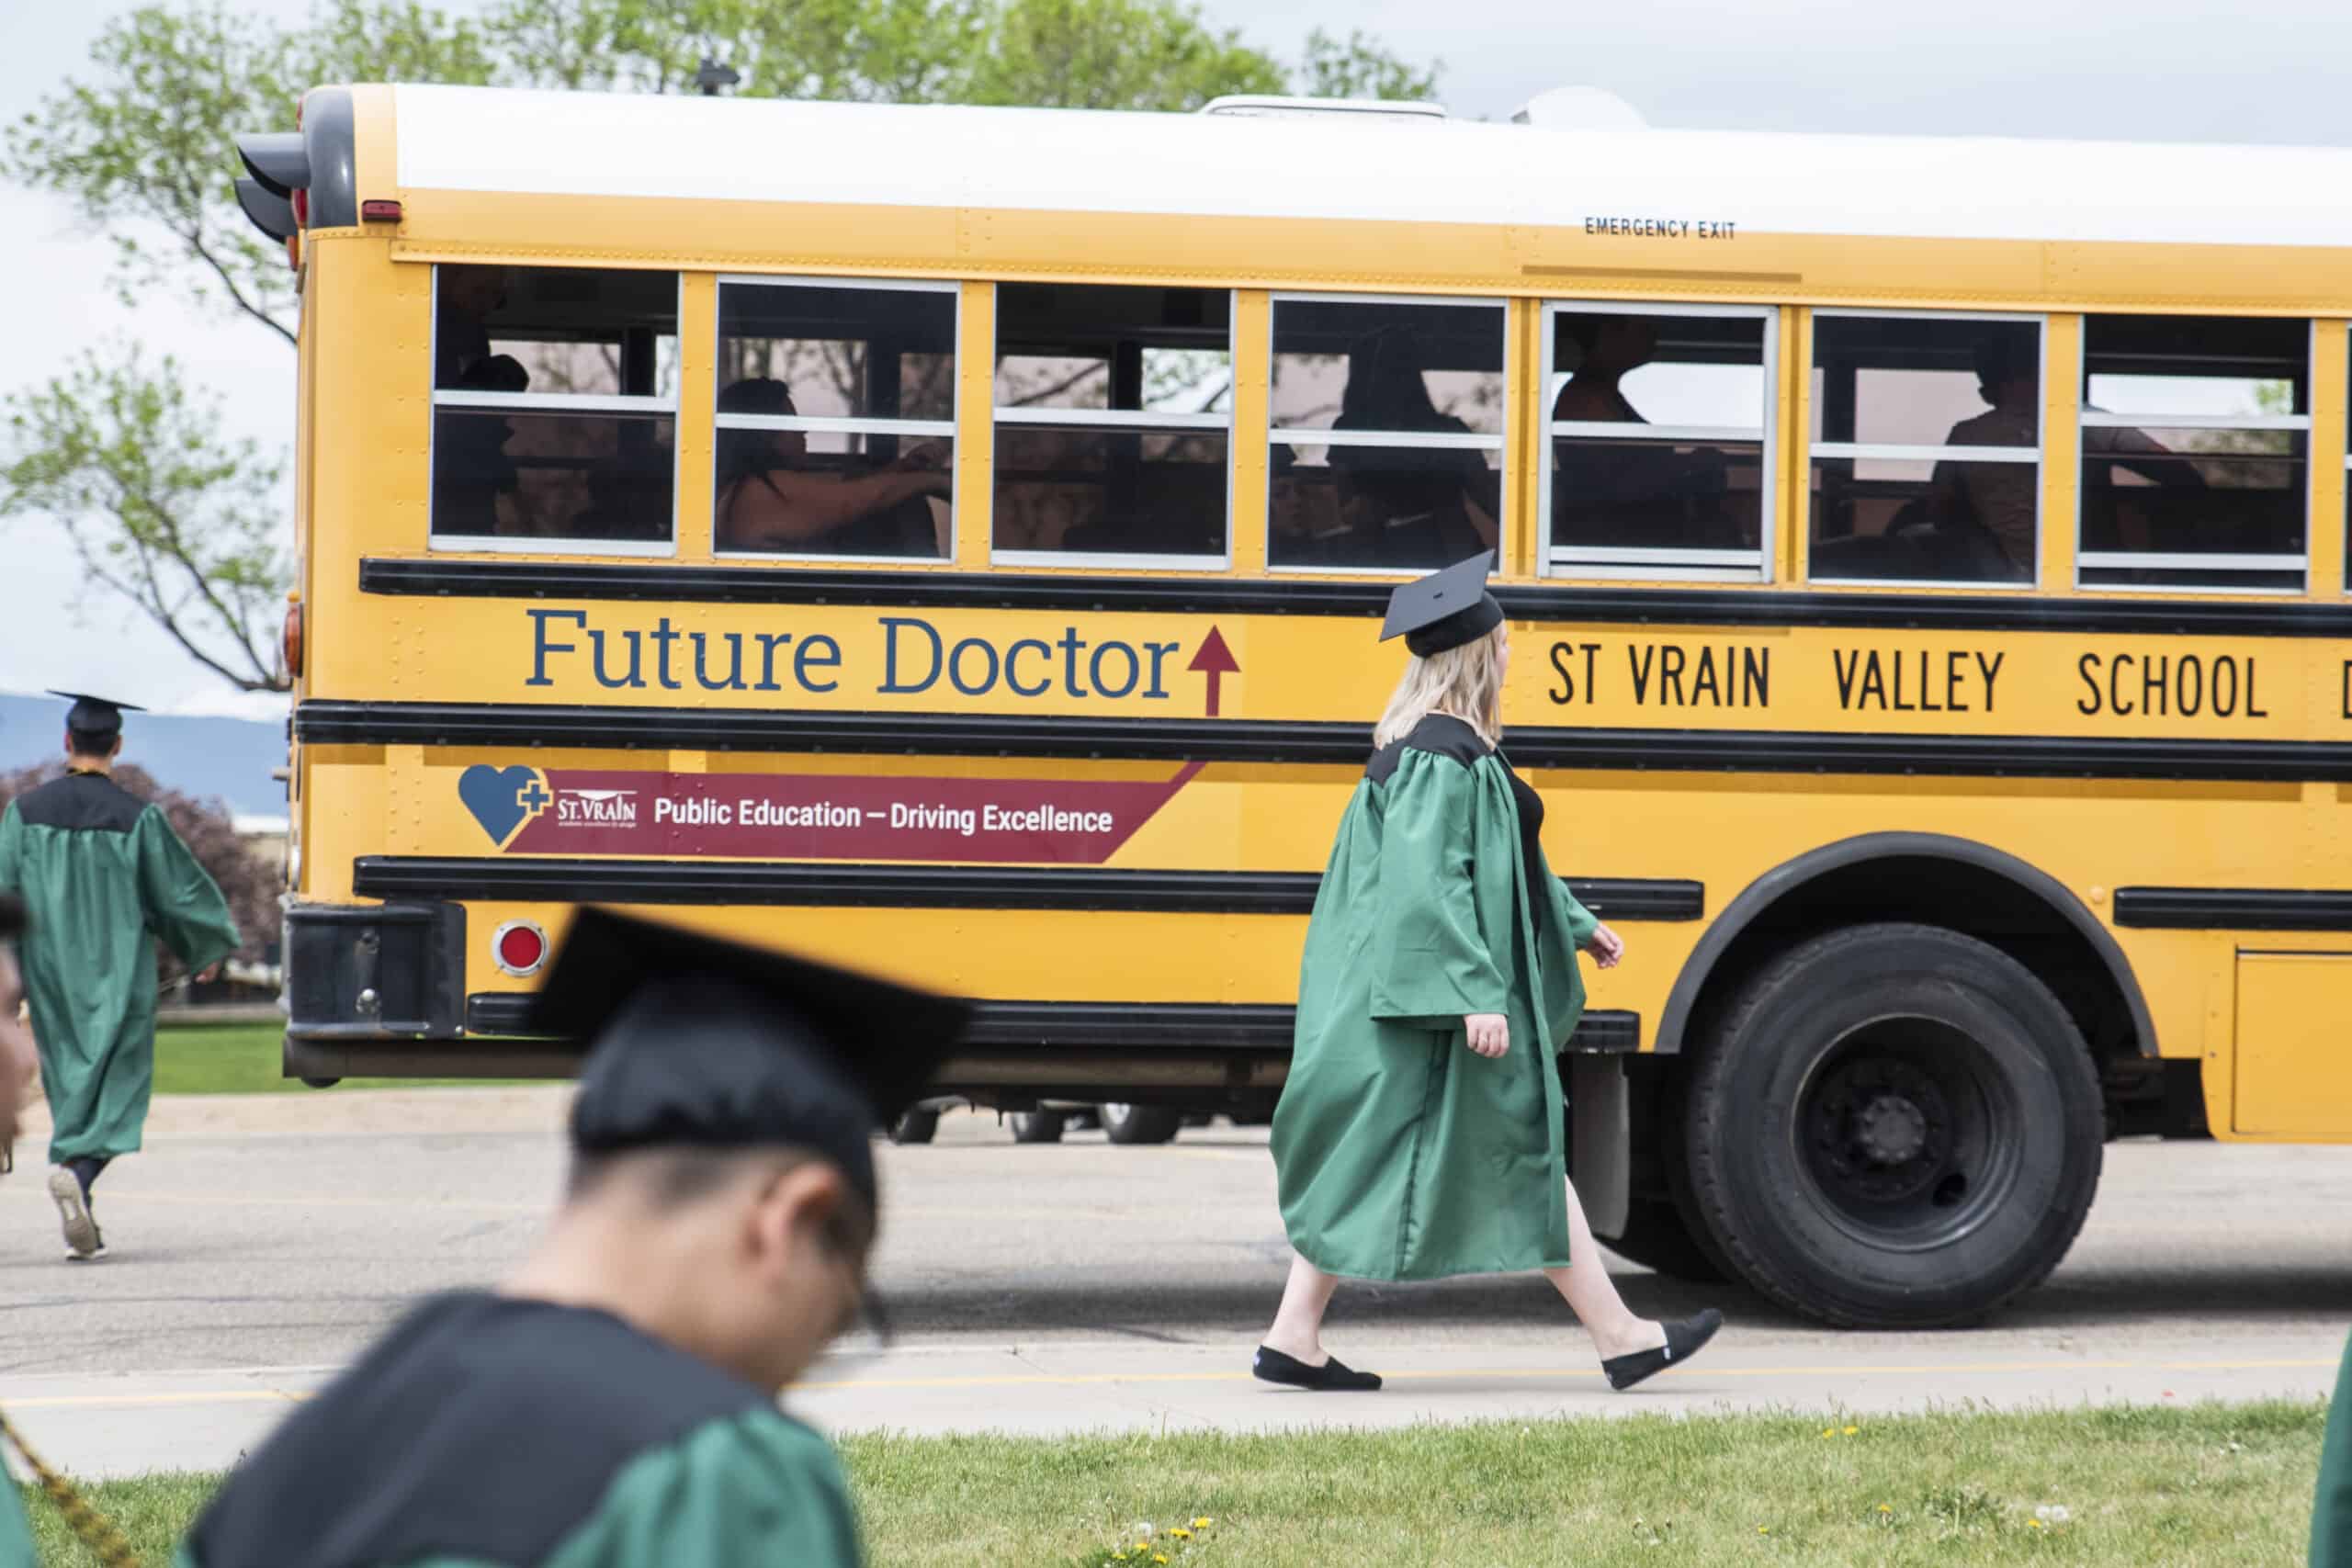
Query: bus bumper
{"x":375,"y":972}
{"x":378,"y":990}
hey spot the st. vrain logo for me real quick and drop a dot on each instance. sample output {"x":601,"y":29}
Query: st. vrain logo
{"x":595,"y":807}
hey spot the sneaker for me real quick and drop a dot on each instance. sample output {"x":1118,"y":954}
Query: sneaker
{"x":81,"y":1239}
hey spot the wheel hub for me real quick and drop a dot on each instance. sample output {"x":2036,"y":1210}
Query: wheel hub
{"x":1881,"y":1131}
{"x":1890,"y":1130}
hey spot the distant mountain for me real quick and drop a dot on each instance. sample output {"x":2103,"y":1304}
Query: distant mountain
{"x":226,"y":758}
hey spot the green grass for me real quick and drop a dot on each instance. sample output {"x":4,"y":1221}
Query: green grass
{"x":244,"y":1059}
{"x":2209,"y":1485}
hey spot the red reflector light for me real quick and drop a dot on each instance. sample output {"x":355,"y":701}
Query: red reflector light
{"x":303,"y":208}
{"x":520,"y":947}
{"x":379,"y":212}
{"x":293,"y":643}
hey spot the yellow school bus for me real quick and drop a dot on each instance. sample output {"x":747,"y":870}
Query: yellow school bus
{"x":951,"y":541}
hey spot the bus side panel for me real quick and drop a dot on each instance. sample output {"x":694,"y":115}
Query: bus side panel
{"x":2294,"y":1076}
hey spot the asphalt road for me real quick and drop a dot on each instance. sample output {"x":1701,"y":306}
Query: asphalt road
{"x":259,"y":1243}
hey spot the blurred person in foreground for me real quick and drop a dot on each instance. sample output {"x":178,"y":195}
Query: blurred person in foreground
{"x":17,"y":1062}
{"x":2332,"y":1510}
{"x":103,"y":875}
{"x":614,"y":1403}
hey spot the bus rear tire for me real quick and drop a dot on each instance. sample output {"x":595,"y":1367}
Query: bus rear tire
{"x":1037,"y":1126}
{"x":1125,"y":1124}
{"x":1657,"y":1238}
{"x":1893,"y":1126}
{"x":915,"y":1127}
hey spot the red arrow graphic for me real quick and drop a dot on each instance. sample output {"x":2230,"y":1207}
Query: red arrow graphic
{"x":1215,"y":661}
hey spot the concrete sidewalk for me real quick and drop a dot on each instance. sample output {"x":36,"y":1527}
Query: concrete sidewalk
{"x":135,"y":1423}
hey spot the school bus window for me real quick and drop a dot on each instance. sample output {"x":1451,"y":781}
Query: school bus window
{"x":836,"y":418}
{"x":2195,"y":440}
{"x":1660,"y":426}
{"x":555,"y":396}
{"x":1926,"y":447}
{"x":1387,"y":437}
{"x":1114,"y":422}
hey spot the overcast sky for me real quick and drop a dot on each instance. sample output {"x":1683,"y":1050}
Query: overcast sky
{"x":2158,"y":69}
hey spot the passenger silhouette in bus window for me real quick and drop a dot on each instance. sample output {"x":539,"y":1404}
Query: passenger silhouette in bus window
{"x":774,"y":494}
{"x":1637,"y":494}
{"x":467,"y":298}
{"x":1307,"y":525}
{"x":472,"y":468}
{"x":1980,"y":508}
{"x":1609,"y":348}
{"x":1408,"y":506}
{"x":1980,"y":515}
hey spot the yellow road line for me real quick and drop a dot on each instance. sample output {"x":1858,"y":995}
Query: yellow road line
{"x":129,"y":1197}
{"x":139,"y":1401}
{"x":126,"y":1198}
{"x":1076,"y":1380}
{"x":1566,"y":1374}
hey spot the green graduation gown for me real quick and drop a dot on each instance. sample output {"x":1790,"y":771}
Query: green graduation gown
{"x":489,"y":1432}
{"x":16,"y":1531}
{"x":2332,"y":1510}
{"x":102,"y":875}
{"x":1401,"y":1154}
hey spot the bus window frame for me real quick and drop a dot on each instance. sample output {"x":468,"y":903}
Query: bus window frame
{"x":552,"y":402}
{"x":933,"y":429}
{"x":1296,"y":436}
{"x":1127,"y":421}
{"x":1807,"y":450}
{"x":1659,"y":565}
{"x":2125,"y":561}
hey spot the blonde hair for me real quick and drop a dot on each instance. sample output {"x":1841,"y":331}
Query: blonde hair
{"x":1465,"y":682}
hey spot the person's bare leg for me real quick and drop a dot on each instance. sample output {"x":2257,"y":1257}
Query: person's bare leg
{"x":1592,"y":1295}
{"x":1298,"y":1323}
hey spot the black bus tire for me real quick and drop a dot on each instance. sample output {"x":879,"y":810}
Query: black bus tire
{"x":915,"y":1127}
{"x":1893,"y":1126}
{"x":1038,"y":1126}
{"x":1658,"y":1238}
{"x":1129,"y":1124}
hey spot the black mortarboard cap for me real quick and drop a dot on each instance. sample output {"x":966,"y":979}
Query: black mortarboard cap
{"x":95,"y":716}
{"x":1445,"y":609}
{"x":695,"y":1040}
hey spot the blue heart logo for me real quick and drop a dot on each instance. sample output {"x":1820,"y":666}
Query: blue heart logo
{"x":501,"y":798}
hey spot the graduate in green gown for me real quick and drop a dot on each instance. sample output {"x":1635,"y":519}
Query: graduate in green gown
{"x":2331,"y":1510}
{"x":613,"y":1404}
{"x":103,"y":875}
{"x":1419,"y":1133}
{"x":15,"y":1082}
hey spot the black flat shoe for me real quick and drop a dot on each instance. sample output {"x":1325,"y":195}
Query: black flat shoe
{"x":1331,"y":1376}
{"x":1683,"y":1340}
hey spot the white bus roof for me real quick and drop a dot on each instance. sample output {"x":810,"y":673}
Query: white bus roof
{"x":1441,"y":171}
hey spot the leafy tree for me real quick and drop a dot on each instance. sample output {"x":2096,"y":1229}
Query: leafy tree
{"x":163,"y":508}
{"x":247,"y":879}
{"x":131,"y":461}
{"x":1357,"y":67}
{"x":1113,"y":54}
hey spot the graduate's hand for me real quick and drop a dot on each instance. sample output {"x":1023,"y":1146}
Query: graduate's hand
{"x":1607,"y":947}
{"x":209,"y":974}
{"x":1489,"y":1033}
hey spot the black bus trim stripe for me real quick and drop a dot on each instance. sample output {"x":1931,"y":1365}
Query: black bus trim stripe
{"x":918,"y":590}
{"x":1209,"y":1026}
{"x":2234,"y":908}
{"x":851,"y":885}
{"x":532,"y":727}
